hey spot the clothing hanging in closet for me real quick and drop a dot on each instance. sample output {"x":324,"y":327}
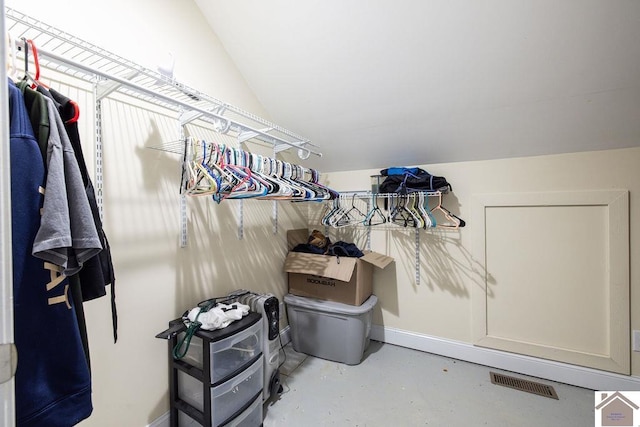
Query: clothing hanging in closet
{"x":53,"y":384}
{"x":61,"y":257}
{"x":97,"y":271}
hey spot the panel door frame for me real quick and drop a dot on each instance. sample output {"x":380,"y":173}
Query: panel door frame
{"x":617,"y":203}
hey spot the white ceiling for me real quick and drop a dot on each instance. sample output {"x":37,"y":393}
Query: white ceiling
{"x":406,"y":82}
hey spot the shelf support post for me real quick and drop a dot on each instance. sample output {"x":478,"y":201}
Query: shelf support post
{"x":99,"y":177}
{"x":240,"y":219}
{"x":417,"y":257}
{"x":274,"y":211}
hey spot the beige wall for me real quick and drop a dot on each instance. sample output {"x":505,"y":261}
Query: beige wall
{"x":156,"y":279}
{"x":441,"y":305}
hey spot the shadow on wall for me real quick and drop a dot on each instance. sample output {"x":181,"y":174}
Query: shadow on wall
{"x":156,"y":163}
{"x":140,"y":185}
{"x":147,"y":193}
{"x":446,"y":264}
{"x":216,"y":261}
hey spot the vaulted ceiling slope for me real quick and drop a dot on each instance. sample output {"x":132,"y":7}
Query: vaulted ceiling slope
{"x":406,"y":82}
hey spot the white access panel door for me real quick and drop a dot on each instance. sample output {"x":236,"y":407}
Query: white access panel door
{"x":556,"y":276}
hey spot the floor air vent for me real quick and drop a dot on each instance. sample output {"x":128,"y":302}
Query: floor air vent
{"x":524,"y":385}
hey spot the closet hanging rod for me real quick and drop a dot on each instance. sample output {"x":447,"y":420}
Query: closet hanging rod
{"x":366,"y":193}
{"x":234,"y":125}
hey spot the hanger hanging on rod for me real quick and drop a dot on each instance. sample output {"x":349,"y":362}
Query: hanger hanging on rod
{"x":30,"y":48}
{"x":400,"y":214}
{"x":411,"y":205}
{"x":454,"y":221}
{"x":307,"y":179}
{"x":340,"y":218}
{"x":236,"y":174}
{"x":350,"y":216}
{"x":423,"y":209}
{"x":199,"y":180}
{"x":375,"y":215}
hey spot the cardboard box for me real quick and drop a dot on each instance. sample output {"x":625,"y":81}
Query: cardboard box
{"x":345,"y":279}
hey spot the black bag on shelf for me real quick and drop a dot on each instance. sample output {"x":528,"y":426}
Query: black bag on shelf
{"x":406,"y":180}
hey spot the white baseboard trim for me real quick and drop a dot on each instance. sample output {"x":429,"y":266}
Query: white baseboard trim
{"x":547,"y":369}
{"x":161,"y":421}
{"x":285,"y":335}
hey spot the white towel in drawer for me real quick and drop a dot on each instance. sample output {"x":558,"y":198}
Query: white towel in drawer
{"x":227,"y":399}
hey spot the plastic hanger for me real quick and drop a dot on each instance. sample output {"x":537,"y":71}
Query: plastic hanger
{"x":454,"y":221}
{"x":200,"y":180}
{"x":76,"y":113}
{"x":248,"y":184}
{"x":286,"y":174}
{"x":375,"y":215}
{"x":412,"y":202}
{"x":340,"y":218}
{"x":27,"y":44}
{"x":332,"y":218}
{"x":313,"y":191}
{"x":234,"y":178}
{"x":283,"y":189}
{"x":423,"y":208}
{"x":262,"y":168}
{"x":36,"y":80}
{"x":401,"y":215}
{"x":317,"y":192}
{"x":321,"y":192}
{"x":36,"y":63}
{"x":254,"y":164}
{"x":329,"y":212}
{"x":227,"y":172}
{"x":351,"y":216}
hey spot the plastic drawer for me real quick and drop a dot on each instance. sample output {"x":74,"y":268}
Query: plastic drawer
{"x":228,"y":356}
{"x":250,"y":417}
{"x":228,"y":398}
{"x":185,"y":420}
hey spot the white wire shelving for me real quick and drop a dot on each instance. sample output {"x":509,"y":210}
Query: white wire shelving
{"x":111,"y":74}
{"x":367,"y":210}
{"x":67,"y":54}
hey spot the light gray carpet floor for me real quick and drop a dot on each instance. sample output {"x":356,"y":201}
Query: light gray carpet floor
{"x":396,"y":386}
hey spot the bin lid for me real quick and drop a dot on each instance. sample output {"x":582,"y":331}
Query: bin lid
{"x":177,"y":325}
{"x":331,"y":306}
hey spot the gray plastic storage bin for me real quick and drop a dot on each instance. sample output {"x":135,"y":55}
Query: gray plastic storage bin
{"x":330,"y":330}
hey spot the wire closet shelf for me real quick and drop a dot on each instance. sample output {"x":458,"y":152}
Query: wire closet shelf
{"x":67,"y":54}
